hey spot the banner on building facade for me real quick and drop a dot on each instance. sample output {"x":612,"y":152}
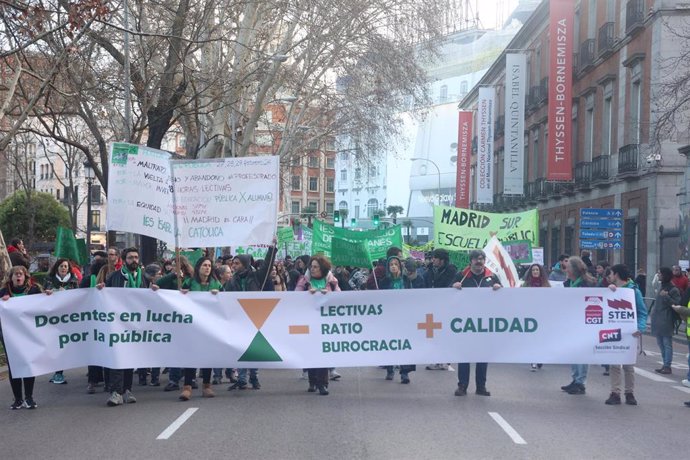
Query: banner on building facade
{"x":485,"y":145}
{"x":462,"y":180}
{"x":140,"y":192}
{"x":138,"y":328}
{"x":514,"y":132}
{"x":561,"y":27}
{"x":459,"y":229}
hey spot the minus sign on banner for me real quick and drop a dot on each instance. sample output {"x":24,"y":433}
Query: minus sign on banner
{"x":298,"y":329}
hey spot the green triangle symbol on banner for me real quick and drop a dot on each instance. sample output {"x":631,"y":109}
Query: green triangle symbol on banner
{"x":260,"y":351}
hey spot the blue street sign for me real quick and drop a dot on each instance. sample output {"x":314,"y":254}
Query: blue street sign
{"x":594,"y":244}
{"x":600,"y":234}
{"x":598,"y":212}
{"x":601,"y":223}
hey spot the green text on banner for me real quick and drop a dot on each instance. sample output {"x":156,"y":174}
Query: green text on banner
{"x":352,"y":253}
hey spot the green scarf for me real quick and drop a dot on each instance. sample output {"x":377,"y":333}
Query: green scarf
{"x":318,"y":284}
{"x":132,"y":281}
{"x":397,"y":283}
{"x":194,"y":286}
{"x":576,"y":283}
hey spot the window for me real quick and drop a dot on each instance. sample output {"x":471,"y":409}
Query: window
{"x":356,"y":216}
{"x":52,"y":171}
{"x":589,"y":128}
{"x":555,"y":246}
{"x":372,"y":207}
{"x":535,"y":153}
{"x":574,"y":145}
{"x":95,"y":194}
{"x":444,"y":93}
{"x":358,"y":173}
{"x":314,"y":206}
{"x":635,"y":103}
{"x":330,"y":184}
{"x":313,"y":184}
{"x":313,"y":161}
{"x":330,"y":162}
{"x":463,"y":88}
{"x":630,"y":242}
{"x":295,"y":207}
{"x":57,"y":194}
{"x":342,"y":205}
{"x":329,"y":208}
{"x":181,"y":142}
{"x":296,"y":161}
{"x":95,"y":220}
{"x":592,"y":19}
{"x":343,"y":174}
{"x":296,"y":182}
{"x":372,"y":171}
{"x":607,"y":122}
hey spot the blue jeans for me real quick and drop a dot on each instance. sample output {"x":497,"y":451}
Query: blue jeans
{"x":666,"y":346}
{"x":175,"y":374}
{"x":579,"y":373}
{"x":253,"y":375}
{"x":464,"y":374}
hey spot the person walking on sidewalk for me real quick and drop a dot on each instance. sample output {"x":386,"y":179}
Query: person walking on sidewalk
{"x":476,"y":275}
{"x":621,"y":279}
{"x":19,"y":284}
{"x":663,"y":318}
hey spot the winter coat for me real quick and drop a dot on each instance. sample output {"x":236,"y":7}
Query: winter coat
{"x":440,"y":278}
{"x":640,"y":306}
{"x":119,"y":280}
{"x":662,"y":313}
{"x":54,"y":284}
{"x":17,"y":257}
{"x":304,"y":283}
{"x":557,"y":274}
{"x":470,"y":280}
{"x":250,"y":280}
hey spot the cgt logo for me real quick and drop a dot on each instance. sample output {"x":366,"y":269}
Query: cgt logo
{"x":610,"y":335}
{"x":594,"y":314}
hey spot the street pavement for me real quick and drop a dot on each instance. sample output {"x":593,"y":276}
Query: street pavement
{"x":365,"y":416}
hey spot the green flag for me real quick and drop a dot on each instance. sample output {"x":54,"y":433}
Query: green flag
{"x":66,"y":245}
{"x":352,"y":253}
{"x":192,"y":256}
{"x":285,"y":235}
{"x":378,"y":241}
{"x":84,"y":253}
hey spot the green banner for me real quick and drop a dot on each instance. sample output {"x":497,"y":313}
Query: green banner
{"x":458,"y":229}
{"x":66,"y":245}
{"x":192,"y":256}
{"x":84,"y":253}
{"x":378,"y":241}
{"x":350,"y":253}
{"x":285,"y":235}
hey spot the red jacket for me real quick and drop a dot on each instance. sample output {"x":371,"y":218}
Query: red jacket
{"x":681,"y":282}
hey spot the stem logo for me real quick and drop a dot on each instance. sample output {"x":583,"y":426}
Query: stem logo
{"x":258,"y":310}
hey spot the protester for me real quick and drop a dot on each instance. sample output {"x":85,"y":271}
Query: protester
{"x":114,"y":264}
{"x":60,"y":278}
{"x":679,"y":279}
{"x":128,"y":276}
{"x":18,"y":254}
{"x":278,"y":283}
{"x":395,"y":279}
{"x":95,"y":374}
{"x":439,"y":275}
{"x":663,"y":318}
{"x":578,"y":277}
{"x":558,"y":271}
{"x":318,"y":278}
{"x":536,"y":277}
{"x":204,"y":280}
{"x":600,"y":273}
{"x":684,"y":311}
{"x":476,"y":275}
{"x":641,"y":281}
{"x":152,"y":273}
{"x":19,"y":284}
{"x":413,"y":280}
{"x":621,"y":279}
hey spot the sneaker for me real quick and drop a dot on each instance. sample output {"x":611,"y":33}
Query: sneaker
{"x":630,"y":399}
{"x":685,"y":383}
{"x":614,"y":399}
{"x":58,"y":379}
{"x":142,"y":381}
{"x":311,"y":389}
{"x":482,"y":391}
{"x":233,"y":376}
{"x":687,"y":403}
{"x":461,"y":390}
{"x":568,"y":387}
{"x":90,"y":389}
{"x":255,"y":385}
{"x":663,"y":370}
{"x":172,"y":386}
{"x":29,"y":403}
{"x":334,"y":376}
{"x":17,"y":404}
{"x":577,"y":389}
{"x":155,"y":383}
{"x":128,"y":397}
{"x":437,"y":367}
{"x":534,"y":368}
{"x":390,"y":375}
{"x":323,"y":390}
{"x":404,"y":378}
{"x":115,"y":399}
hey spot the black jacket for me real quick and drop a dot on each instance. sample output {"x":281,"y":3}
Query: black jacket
{"x":470,"y":280}
{"x":117,"y":279}
{"x":250,"y":280}
{"x":54,"y":284}
{"x":441,"y":278}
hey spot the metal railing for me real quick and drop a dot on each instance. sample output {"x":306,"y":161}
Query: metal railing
{"x":600,"y":168}
{"x":606,"y":38}
{"x":634,"y":15}
{"x":628,"y":158}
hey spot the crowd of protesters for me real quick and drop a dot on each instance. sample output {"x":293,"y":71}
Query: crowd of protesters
{"x":122,"y":269}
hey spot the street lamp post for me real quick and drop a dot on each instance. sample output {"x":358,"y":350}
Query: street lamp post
{"x":88,"y":173}
{"x":438,"y":172}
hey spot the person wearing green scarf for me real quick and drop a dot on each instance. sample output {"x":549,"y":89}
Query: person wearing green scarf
{"x":129,"y":276}
{"x":204,"y":280}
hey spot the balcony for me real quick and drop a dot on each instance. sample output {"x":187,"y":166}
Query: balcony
{"x":634,"y":16}
{"x":606,"y":39}
{"x":629,"y":159}
{"x":600,"y":168}
{"x":560,"y":189}
{"x":542,"y":189}
{"x":531,"y":192}
{"x":583,"y":175}
{"x":544,"y":90}
{"x":499,"y":127}
{"x":534,"y":97}
{"x":587,"y":54}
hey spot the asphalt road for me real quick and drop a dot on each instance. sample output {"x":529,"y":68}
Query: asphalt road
{"x":365,"y":416}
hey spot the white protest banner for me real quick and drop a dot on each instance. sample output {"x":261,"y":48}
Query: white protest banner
{"x":140,"y":192}
{"x":516,"y":82}
{"x":485,"y":145}
{"x":129,"y":328}
{"x":500,"y":263}
{"x":226,"y":202}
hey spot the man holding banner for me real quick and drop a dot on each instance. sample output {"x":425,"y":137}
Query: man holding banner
{"x":476,"y":275}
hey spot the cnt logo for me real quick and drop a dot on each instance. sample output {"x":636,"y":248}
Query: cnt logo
{"x":594,"y":313}
{"x":609,"y":335}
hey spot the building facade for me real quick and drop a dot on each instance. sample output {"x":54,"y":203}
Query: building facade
{"x":621,"y":48}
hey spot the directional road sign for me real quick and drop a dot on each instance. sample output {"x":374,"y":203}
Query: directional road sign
{"x":601,"y":228}
{"x":600,"y":234}
{"x":601,"y":213}
{"x":601,"y":223}
{"x":598,"y":244}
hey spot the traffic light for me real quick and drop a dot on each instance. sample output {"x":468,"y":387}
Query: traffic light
{"x":376,"y":220}
{"x":353,"y":222}
{"x":336,"y":216}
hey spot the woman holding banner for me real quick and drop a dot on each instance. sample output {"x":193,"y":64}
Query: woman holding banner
{"x":395,"y":279}
{"x":318,"y":277}
{"x":60,"y":278}
{"x":536,"y":277}
{"x":204,"y":280}
{"x":19,"y":284}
